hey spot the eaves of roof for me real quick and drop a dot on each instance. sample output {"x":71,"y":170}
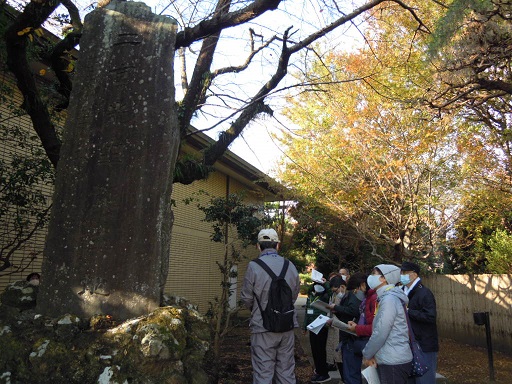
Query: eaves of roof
{"x":236,"y":167}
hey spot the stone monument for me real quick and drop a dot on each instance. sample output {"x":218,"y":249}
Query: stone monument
{"x":108,"y":243}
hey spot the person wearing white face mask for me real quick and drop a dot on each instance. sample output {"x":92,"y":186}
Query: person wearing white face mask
{"x":345,"y":274}
{"x":34,"y":279}
{"x":363,"y":328}
{"x":338,"y":287}
{"x":388,"y":347}
{"x":422,"y":314}
{"x":348,"y":310}
{"x":318,"y":342}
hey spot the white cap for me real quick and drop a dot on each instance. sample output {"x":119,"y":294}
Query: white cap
{"x":268,"y":234}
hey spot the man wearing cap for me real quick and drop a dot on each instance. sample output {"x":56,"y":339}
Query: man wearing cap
{"x":422,"y":313}
{"x":272,"y":353}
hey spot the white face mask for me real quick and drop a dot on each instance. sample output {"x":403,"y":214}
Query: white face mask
{"x":34,"y":282}
{"x":373,"y":281}
{"x":344,"y":277}
{"x":405,"y":279}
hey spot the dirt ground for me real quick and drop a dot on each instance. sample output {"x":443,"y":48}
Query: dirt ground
{"x":466,"y":364}
{"x":236,"y":359}
{"x":459,"y":363}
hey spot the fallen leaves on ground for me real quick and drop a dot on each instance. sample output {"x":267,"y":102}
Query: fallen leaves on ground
{"x":236,"y":365}
{"x":466,"y":364}
{"x":459,"y":363}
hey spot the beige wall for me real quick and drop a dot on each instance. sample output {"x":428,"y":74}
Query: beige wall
{"x":31,"y":250}
{"x":459,"y":296}
{"x":193,"y":270}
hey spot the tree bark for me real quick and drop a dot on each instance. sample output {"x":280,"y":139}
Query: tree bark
{"x":16,"y":45}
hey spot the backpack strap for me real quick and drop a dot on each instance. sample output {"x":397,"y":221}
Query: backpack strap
{"x":267,"y":269}
{"x":285,"y":269}
{"x":271,"y":273}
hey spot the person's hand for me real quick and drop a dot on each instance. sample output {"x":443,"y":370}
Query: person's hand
{"x":370,"y":362}
{"x":329,"y":322}
{"x":351,"y":326}
{"x":330,"y":306}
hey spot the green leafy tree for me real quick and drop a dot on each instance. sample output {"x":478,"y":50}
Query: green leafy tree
{"x":499,"y":259}
{"x":482,"y":213}
{"x":25,"y":180}
{"x":410,"y":198}
{"x":327,"y":241}
{"x":470,"y":49}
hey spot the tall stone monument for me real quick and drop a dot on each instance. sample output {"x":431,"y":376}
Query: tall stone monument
{"x":109,"y":237}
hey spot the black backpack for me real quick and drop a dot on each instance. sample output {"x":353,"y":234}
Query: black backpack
{"x":279,"y":313}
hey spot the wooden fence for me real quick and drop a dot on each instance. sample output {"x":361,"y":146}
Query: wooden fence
{"x":459,"y":296}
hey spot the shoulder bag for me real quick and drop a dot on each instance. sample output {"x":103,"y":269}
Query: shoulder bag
{"x":419,"y":365}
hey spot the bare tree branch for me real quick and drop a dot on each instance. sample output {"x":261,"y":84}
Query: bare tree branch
{"x":225,"y":20}
{"x":201,"y":78}
{"x":195,"y":90}
{"x":240,"y":68}
{"x":76,"y":22}
{"x":257,"y":105}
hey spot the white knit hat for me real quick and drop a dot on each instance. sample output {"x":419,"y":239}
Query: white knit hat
{"x":390,"y":272}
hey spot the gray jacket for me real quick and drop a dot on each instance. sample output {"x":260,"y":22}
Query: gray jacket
{"x":389,"y":342}
{"x":257,"y":282}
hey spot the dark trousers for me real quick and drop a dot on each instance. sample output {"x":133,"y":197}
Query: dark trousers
{"x":318,"y":349}
{"x":351,"y":363}
{"x":394,"y":374}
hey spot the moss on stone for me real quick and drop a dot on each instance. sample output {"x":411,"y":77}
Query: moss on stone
{"x":64,"y":351}
{"x":12,"y":352}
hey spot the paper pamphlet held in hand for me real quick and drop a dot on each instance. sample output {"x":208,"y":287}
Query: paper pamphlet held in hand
{"x":321,"y":305}
{"x":316,"y":325}
{"x":342,"y":326}
{"x":371,"y":375}
{"x":316,"y":276}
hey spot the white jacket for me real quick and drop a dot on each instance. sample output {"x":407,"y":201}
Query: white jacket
{"x":389,"y":342}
